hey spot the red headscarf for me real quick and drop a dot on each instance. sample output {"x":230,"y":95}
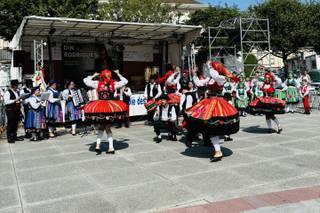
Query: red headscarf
{"x":106,"y":80}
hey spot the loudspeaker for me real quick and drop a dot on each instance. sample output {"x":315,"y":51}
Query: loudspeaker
{"x":18,"y":58}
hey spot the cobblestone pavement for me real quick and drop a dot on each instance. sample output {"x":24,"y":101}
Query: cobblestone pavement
{"x":65,"y":175}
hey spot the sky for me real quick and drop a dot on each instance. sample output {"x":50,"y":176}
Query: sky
{"x":242,"y":4}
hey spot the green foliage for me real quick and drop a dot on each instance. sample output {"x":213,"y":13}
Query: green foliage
{"x":13,"y":11}
{"x":249,"y":64}
{"x":136,"y":11}
{"x":287,"y":25}
{"x":212,"y":17}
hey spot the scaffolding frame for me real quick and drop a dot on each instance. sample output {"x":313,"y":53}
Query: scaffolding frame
{"x":249,"y":34}
{"x":38,"y":55}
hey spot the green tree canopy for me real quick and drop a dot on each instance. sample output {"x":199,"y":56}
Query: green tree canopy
{"x":287,"y":25}
{"x":13,"y":11}
{"x":136,"y":11}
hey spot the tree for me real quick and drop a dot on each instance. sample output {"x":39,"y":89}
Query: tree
{"x":250,"y":64}
{"x":312,"y":27}
{"x":287,"y":25}
{"x":136,"y":11}
{"x":13,"y":11}
{"x":211,"y":17}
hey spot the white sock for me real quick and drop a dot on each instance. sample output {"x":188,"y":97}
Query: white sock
{"x":215,"y":143}
{"x":73,"y":128}
{"x":99,"y":138}
{"x":110,"y":140}
{"x":277,"y":122}
{"x":269,"y":123}
{"x":51,"y":129}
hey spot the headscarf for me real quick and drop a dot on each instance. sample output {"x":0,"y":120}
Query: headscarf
{"x":106,"y":79}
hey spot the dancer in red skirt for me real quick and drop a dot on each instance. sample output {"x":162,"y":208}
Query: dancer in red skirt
{"x":105,"y":111}
{"x":267,"y":104}
{"x":304,"y":92}
{"x":213,"y":116}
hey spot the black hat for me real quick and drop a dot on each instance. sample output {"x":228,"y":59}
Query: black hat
{"x":14,"y":82}
{"x":53,"y":82}
{"x":35,"y":89}
{"x":153,"y":77}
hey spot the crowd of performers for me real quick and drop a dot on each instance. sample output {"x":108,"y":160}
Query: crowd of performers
{"x":210,"y":105}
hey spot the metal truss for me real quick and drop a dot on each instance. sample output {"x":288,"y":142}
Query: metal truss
{"x":240,"y":37}
{"x":38,"y":55}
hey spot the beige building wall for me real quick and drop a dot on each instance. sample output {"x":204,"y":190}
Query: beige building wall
{"x":273,"y":62}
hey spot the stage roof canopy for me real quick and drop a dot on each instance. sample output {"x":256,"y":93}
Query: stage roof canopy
{"x":67,"y":28}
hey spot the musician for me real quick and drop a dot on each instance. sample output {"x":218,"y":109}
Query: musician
{"x":35,"y":119}
{"x":12,"y":104}
{"x":25,"y":93}
{"x":54,"y":111}
{"x":105,"y":111}
{"x":165,"y":118}
{"x":152,"y":91}
{"x":73,"y":112}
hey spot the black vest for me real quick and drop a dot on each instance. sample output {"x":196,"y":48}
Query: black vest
{"x":13,"y":106}
{"x":194,"y":99}
{"x":169,"y":112}
{"x":154,"y":91}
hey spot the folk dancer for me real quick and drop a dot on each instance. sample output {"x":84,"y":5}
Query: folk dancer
{"x":212,"y":116}
{"x":242,"y":99}
{"x":12,"y":105}
{"x":267,"y":104}
{"x":304,"y":93}
{"x":106,"y":110}
{"x":73,"y":112}
{"x":124,"y":94}
{"x":292,"y":94}
{"x":165,"y":118}
{"x":35,"y":118}
{"x":152,"y":92}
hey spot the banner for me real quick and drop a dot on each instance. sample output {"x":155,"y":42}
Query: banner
{"x":136,"y":107}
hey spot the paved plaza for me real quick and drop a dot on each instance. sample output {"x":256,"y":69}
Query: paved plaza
{"x":65,"y":175}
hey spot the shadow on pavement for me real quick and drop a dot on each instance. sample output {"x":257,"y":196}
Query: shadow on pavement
{"x":118,"y":145}
{"x":257,"y":129}
{"x":205,"y":152}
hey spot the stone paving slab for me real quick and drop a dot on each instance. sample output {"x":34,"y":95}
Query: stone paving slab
{"x":65,"y":175}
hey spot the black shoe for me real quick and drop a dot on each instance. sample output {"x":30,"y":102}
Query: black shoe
{"x":279,"y":131}
{"x":28,"y":135}
{"x":228,"y":139}
{"x":110,"y":152}
{"x":18,"y":139}
{"x":215,"y":159}
{"x":174,"y":138}
{"x":11,"y":141}
{"x":98,"y":151}
{"x":159,"y":139}
{"x":33,"y":139}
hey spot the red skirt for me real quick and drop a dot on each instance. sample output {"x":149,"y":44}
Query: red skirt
{"x":213,"y":116}
{"x":266,"y":105}
{"x":106,"y":111}
{"x":174,"y":98}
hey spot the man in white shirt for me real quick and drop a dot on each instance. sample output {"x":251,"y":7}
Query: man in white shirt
{"x":165,"y":118}
{"x":152,"y":91}
{"x":12,"y":104}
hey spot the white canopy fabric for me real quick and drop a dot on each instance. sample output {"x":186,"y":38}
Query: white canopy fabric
{"x":36,"y":26}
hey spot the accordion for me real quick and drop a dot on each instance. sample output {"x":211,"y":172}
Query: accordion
{"x":79,"y":97}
